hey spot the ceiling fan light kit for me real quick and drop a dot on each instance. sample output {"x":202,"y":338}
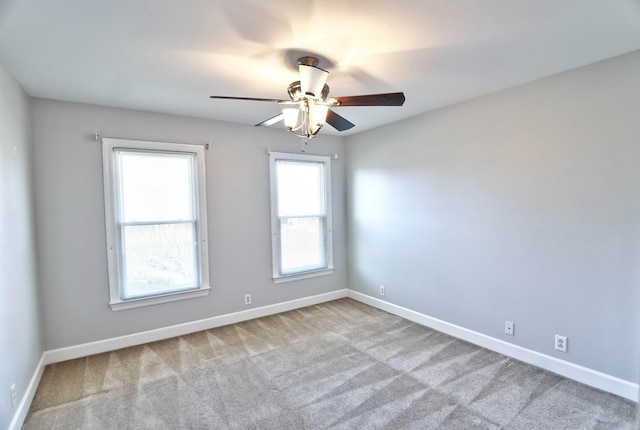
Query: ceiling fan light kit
{"x":311,"y":110}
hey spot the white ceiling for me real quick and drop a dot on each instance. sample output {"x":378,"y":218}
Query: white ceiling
{"x":170,"y":55}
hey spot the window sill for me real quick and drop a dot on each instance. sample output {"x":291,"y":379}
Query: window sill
{"x":121,"y":305}
{"x":304,"y":275}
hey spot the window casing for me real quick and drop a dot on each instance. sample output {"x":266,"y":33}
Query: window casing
{"x":301,"y":226}
{"x":156,"y":222}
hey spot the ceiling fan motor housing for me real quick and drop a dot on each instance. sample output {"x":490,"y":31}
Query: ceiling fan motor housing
{"x":308,"y":61}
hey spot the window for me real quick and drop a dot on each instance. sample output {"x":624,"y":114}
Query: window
{"x":155,"y":204}
{"x":300,"y":216}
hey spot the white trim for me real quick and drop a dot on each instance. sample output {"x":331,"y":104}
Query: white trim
{"x":25,"y":403}
{"x":97,"y":347}
{"x":602,"y":381}
{"x":325,"y":160}
{"x":112,"y":202}
{"x":156,"y":300}
{"x":302,"y":275}
{"x":582,"y":374}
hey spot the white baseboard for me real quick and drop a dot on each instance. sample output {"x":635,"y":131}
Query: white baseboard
{"x":25,"y":402}
{"x":97,"y":347}
{"x":582,"y":374}
{"x":602,"y":381}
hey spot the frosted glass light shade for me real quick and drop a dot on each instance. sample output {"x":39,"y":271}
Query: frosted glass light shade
{"x":312,"y":80}
{"x":290,"y":117}
{"x":320,"y":114}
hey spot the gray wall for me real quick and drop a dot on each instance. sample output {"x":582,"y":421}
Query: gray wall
{"x":70,"y":218}
{"x":522,"y":206}
{"x":20,"y":335}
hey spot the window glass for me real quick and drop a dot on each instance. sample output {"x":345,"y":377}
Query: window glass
{"x":302,"y":244}
{"x":158,"y":259}
{"x":156,"y":186}
{"x":301,"y":216}
{"x":156,"y":222}
{"x":300,"y":188}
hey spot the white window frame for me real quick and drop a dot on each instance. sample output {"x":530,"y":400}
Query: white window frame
{"x":278,"y":277}
{"x":113,"y":229}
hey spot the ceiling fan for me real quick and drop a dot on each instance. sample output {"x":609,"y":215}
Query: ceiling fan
{"x":309,"y":106}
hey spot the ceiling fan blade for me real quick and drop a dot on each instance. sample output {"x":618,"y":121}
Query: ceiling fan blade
{"x":250,"y":99}
{"x":338,"y":122}
{"x":271,"y":121}
{"x":384,"y":99}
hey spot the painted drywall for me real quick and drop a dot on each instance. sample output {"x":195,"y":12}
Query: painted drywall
{"x":522,"y":206}
{"x":71,"y":230}
{"x":20,"y":334}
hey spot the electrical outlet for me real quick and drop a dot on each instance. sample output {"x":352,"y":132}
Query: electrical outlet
{"x":247,"y":299}
{"x":508,"y":327}
{"x":13,"y":395}
{"x":561,"y":343}
{"x":382,"y":290}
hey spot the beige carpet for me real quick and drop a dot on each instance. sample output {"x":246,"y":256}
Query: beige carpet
{"x":339,"y":365}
